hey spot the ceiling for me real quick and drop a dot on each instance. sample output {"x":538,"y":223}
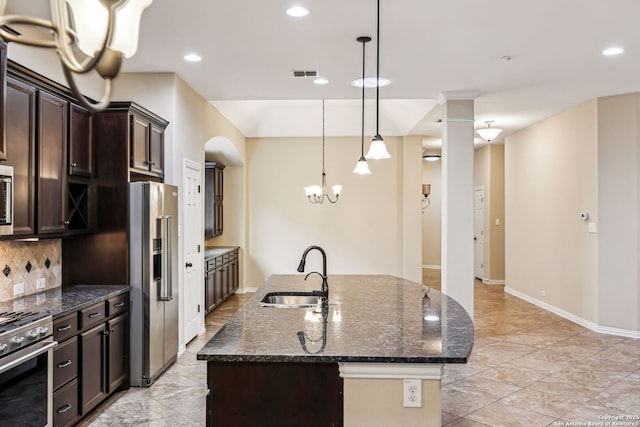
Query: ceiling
{"x":522,"y":61}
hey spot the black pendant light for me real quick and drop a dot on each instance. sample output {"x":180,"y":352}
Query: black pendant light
{"x":377,"y":149}
{"x":362,"y":168}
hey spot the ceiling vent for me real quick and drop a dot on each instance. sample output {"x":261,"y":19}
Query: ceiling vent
{"x":297,"y":73}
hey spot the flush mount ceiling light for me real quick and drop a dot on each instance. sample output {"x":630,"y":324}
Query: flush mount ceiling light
{"x":362,"y":168}
{"x":88,"y":35}
{"x":430,"y":157}
{"x":489,"y":133}
{"x":612,"y":51}
{"x":297,"y":11}
{"x":192,"y":57}
{"x":321,"y":81}
{"x":377,"y":149}
{"x":317,"y":193}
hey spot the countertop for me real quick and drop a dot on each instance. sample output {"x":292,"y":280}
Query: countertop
{"x":370,"y":318}
{"x":214,"y":251}
{"x":61,"y":301}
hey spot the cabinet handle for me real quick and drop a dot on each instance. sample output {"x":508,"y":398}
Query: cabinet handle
{"x":94,"y":315}
{"x":66,"y":222}
{"x":64,"y":364}
{"x":119,"y":304}
{"x":64,"y":328}
{"x":106,"y":333}
{"x":74,"y":165}
{"x":151,"y":163}
{"x":64,"y":408}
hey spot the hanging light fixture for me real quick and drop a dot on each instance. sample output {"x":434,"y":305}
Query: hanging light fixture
{"x":426,"y":190}
{"x":87,"y":35}
{"x":377,"y":149}
{"x":317,"y":193}
{"x":362,"y":168}
{"x":489,"y":133}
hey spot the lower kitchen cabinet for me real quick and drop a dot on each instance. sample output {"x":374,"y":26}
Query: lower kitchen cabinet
{"x":91,"y":359}
{"x":221,"y":278}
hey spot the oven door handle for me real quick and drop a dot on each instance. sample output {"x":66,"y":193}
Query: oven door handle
{"x":18,"y":358}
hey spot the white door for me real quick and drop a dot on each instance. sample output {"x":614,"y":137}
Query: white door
{"x":193,"y":255}
{"x":478,"y":231}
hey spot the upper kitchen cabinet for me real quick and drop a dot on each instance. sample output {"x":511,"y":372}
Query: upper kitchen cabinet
{"x":52,"y":148}
{"x":3,"y":74}
{"x":134,"y":133}
{"x":21,"y":144}
{"x":213,"y":192}
{"x":80,"y":137}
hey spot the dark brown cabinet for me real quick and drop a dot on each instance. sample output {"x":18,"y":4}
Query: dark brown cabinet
{"x":21,"y":145}
{"x":146,"y":144}
{"x":80,"y":146}
{"x":213,"y":196}
{"x":3,"y":119}
{"x":221,"y":278}
{"x":52,"y":144}
{"x":91,"y":360}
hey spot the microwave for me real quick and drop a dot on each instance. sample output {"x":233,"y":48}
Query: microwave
{"x":6,"y":200}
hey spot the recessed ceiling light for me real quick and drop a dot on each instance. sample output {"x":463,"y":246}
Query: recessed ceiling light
{"x":614,"y":50}
{"x":370,"y":82}
{"x":321,"y":81}
{"x":192,"y":57}
{"x":297,"y":11}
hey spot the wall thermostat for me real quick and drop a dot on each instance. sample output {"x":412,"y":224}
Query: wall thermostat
{"x":584,"y":216}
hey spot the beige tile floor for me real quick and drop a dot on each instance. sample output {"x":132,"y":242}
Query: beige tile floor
{"x":528,"y":368}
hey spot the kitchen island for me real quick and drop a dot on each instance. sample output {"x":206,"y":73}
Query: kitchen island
{"x":340,"y":365}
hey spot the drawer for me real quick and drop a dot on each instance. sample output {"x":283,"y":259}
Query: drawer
{"x":225,"y":258}
{"x":234,"y":255}
{"x":117,"y":305}
{"x":218,"y":261}
{"x":92,"y":316}
{"x":209,"y":264}
{"x":65,"y":362}
{"x":65,"y":327}
{"x":65,"y":404}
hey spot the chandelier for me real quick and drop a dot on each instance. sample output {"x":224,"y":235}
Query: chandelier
{"x":318,"y":193}
{"x":88,"y":35}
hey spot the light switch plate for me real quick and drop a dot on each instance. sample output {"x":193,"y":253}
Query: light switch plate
{"x":41,"y":283}
{"x":18,"y":289}
{"x":593,"y":227}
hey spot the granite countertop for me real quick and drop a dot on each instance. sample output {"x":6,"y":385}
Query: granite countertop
{"x":61,"y":301}
{"x":214,"y":251}
{"x":370,"y":318}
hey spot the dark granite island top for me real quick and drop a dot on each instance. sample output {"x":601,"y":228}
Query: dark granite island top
{"x":371,"y":318}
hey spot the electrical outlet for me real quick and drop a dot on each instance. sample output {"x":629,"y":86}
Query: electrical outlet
{"x":41,"y":283}
{"x":543,"y":293}
{"x":18,"y":289}
{"x":412,"y":393}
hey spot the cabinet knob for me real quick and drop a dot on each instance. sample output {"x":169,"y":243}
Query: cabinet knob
{"x":152,"y":163}
{"x":66,"y":222}
{"x":74,"y":165}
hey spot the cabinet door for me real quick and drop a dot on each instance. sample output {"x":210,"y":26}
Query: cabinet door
{"x":3,"y":73}
{"x":80,"y":142}
{"x":52,"y":143}
{"x":219,"y":284}
{"x":139,"y":140}
{"x":93,"y":383}
{"x":210,"y":290}
{"x":234,"y":282}
{"x":117,"y":366}
{"x":156,"y":150}
{"x":21,"y":147}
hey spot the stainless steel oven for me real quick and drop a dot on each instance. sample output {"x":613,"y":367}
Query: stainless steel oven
{"x":26,"y":374}
{"x":6,"y":200}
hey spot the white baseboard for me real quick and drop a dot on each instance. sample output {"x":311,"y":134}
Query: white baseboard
{"x":181,"y":349}
{"x":246,"y":290}
{"x":629,"y":333}
{"x":432,"y":267}
{"x":493,"y":282}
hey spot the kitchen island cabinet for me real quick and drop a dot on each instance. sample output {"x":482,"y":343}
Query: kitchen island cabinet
{"x":342,"y":364}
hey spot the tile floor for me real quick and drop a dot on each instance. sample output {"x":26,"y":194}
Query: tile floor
{"x":528,"y":368}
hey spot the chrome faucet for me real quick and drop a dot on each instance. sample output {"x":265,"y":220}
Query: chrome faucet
{"x":324,"y":291}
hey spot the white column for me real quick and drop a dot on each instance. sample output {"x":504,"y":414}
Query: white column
{"x":457,"y":199}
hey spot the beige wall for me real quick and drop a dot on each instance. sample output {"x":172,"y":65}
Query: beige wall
{"x":362,"y":233}
{"x":618,"y":213}
{"x":431,"y":218}
{"x":550,"y":177}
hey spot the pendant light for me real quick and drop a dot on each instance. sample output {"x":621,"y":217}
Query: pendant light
{"x":377,"y":149}
{"x":489,"y":133}
{"x":317,"y":193}
{"x":362,"y":168}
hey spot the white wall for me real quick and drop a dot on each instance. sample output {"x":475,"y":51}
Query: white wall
{"x":362,"y":233}
{"x":550,"y":177}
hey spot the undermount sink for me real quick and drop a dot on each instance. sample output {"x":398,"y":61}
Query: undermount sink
{"x":289,"y":300}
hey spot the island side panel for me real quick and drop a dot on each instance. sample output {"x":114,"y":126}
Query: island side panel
{"x":274,"y":394}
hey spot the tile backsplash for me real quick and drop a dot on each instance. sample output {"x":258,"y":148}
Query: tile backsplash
{"x":26,"y":262}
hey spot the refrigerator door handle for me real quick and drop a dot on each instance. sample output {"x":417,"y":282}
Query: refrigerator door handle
{"x":169,"y":278}
{"x":164,"y":294}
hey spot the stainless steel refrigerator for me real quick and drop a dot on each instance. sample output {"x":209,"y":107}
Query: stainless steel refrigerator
{"x":153,"y":272}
